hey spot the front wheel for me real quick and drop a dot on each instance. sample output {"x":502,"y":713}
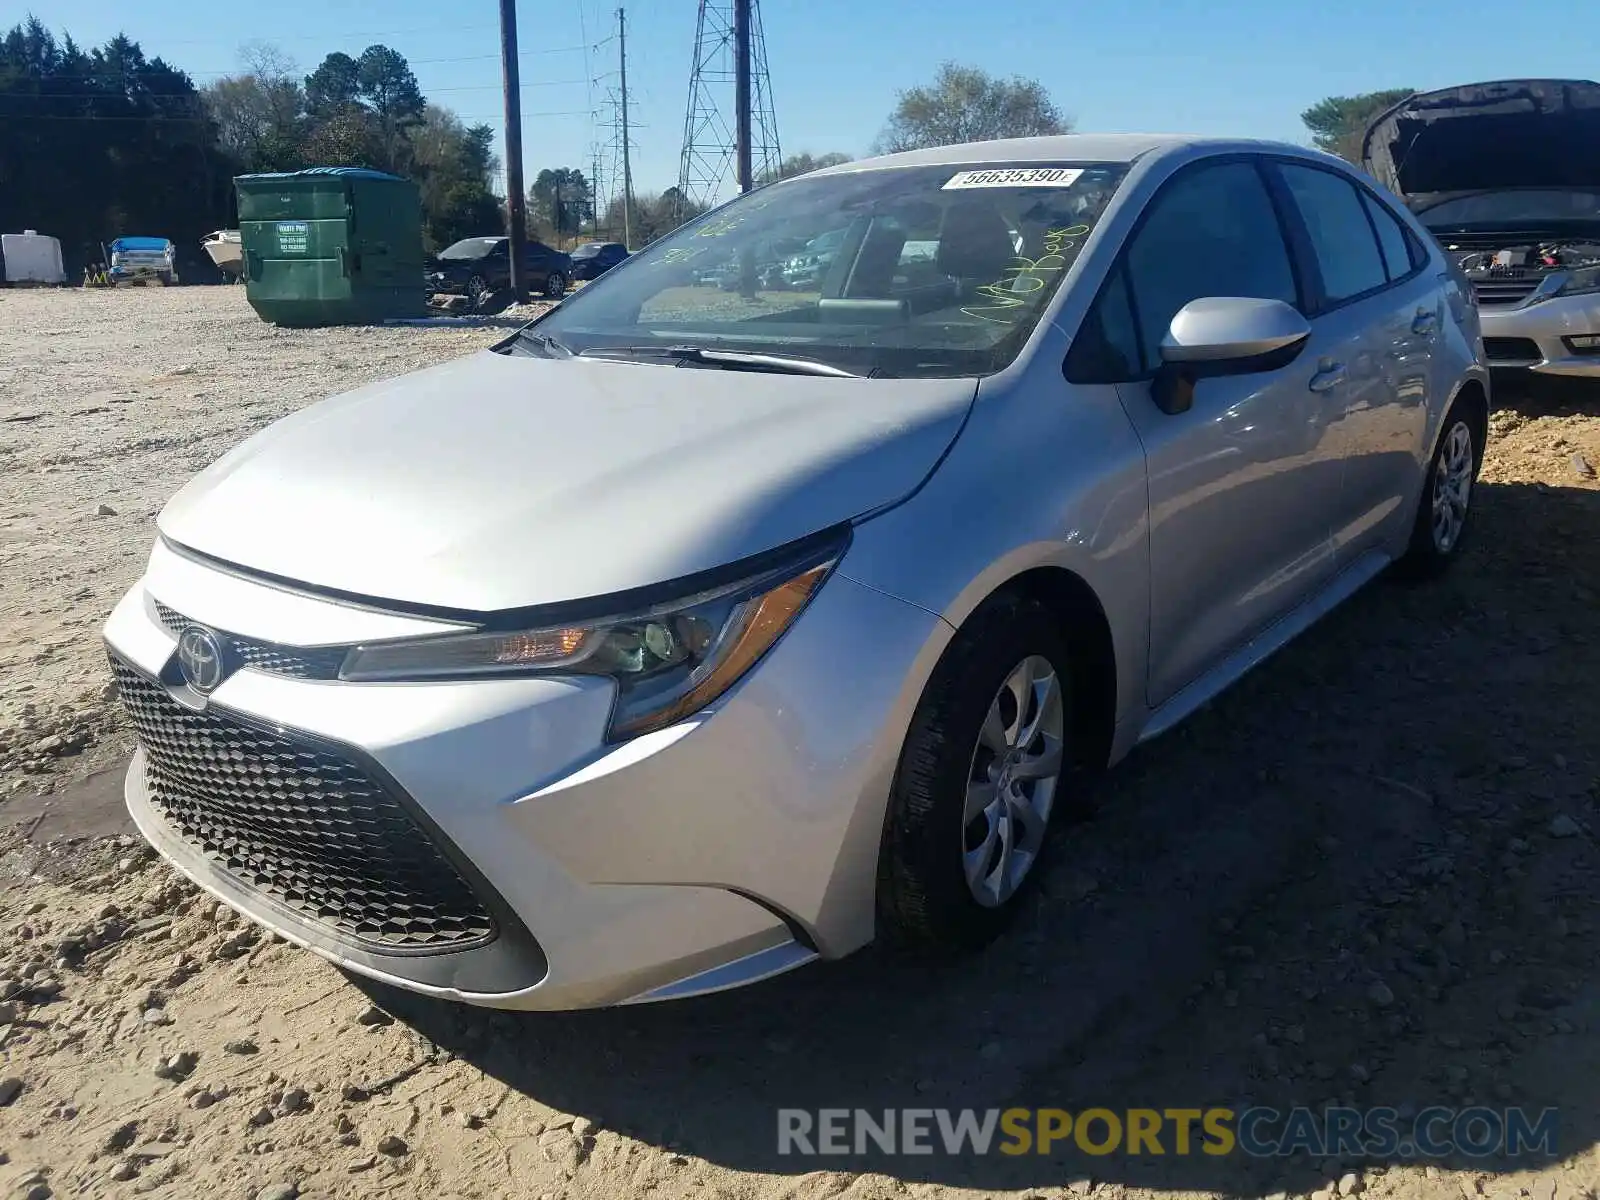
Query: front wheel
{"x":1446,"y":503}
{"x":477,"y":291}
{"x":555,"y":286}
{"x":985,"y":765}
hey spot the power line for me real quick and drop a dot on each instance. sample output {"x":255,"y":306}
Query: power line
{"x":162,"y":117}
{"x":329,"y":37}
{"x":146,"y":72}
{"x":494,"y":87}
{"x":155,"y":117}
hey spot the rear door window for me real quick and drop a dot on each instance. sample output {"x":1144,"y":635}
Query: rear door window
{"x":1346,"y":248}
{"x":1392,"y":238}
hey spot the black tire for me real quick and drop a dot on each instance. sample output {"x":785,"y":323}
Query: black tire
{"x":477,"y":291}
{"x":925,"y":904}
{"x":1436,"y":543}
{"x":555,"y":286}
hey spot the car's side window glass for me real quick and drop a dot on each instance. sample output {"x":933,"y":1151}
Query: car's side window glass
{"x":1106,"y":349}
{"x":1391,"y":238}
{"x":1341,"y":236}
{"x":1210,"y":232}
{"x":1419,"y":253}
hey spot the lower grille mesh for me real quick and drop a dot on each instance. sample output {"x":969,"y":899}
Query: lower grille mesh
{"x":303,"y":826}
{"x":1511,"y":349}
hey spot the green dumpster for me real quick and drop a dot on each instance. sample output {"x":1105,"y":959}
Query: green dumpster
{"x":331,"y":246}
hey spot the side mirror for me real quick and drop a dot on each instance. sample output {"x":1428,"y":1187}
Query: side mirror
{"x":1224,"y":335}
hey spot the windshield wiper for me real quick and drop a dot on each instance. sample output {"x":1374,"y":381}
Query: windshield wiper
{"x":737,"y":360}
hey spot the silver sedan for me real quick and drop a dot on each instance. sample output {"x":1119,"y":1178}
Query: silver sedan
{"x":691,"y":634}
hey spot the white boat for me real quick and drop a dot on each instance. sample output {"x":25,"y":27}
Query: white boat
{"x":225,"y":250}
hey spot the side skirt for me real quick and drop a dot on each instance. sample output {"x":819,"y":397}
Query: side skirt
{"x":1265,"y":644}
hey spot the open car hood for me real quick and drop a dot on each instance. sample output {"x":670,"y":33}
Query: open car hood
{"x":1510,"y":133}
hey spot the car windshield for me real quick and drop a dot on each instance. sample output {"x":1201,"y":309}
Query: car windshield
{"x":470,"y":247}
{"x":1519,"y":207}
{"x":588,"y":250}
{"x":938,"y":271}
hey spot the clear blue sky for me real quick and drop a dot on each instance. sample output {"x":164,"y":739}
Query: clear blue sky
{"x":1246,"y":67}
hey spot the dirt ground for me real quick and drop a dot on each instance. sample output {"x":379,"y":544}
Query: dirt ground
{"x":1365,"y":875}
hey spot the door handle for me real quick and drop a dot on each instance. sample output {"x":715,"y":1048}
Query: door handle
{"x":1329,"y":376}
{"x":1426,"y":321}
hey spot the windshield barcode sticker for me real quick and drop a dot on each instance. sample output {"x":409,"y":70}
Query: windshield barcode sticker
{"x":1015,"y":177}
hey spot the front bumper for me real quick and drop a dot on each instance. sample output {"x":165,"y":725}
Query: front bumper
{"x":1533,"y":337}
{"x":722,"y":850}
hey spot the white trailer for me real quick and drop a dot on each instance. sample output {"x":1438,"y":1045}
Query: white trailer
{"x":32,"y":257}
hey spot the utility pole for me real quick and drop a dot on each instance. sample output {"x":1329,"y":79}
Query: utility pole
{"x":627,"y":166}
{"x":516,"y":198}
{"x":741,"y":91}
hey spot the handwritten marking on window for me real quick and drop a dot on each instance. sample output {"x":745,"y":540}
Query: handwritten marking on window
{"x":1017,"y":283}
{"x":679,"y":254}
{"x":720,"y":227}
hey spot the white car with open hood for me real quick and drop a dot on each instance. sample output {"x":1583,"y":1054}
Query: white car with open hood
{"x":1507,"y":176}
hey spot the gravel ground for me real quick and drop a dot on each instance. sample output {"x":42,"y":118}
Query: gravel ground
{"x":1364,"y":875}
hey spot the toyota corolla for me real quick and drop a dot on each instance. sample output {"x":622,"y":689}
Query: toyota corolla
{"x":687,"y":636}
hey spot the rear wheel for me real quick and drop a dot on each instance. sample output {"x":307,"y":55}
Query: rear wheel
{"x":985,"y":766}
{"x":1441,"y":522}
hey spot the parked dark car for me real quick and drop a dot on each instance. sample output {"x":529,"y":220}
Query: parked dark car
{"x":478,"y":267}
{"x":594,"y":259}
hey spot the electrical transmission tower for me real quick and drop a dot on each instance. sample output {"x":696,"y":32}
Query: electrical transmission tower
{"x":728,"y":37}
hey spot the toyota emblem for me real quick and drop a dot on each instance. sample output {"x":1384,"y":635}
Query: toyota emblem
{"x":200,"y":659}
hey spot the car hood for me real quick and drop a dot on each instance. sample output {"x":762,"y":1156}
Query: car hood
{"x":499,"y":481}
{"x":1510,"y":133}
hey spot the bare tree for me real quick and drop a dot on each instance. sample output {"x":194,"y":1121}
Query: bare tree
{"x":964,"y":104}
{"x":804,"y":164}
{"x":259,"y":113}
{"x":267,"y":60}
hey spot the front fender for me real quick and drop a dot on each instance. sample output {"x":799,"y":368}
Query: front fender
{"x":1045,"y":475}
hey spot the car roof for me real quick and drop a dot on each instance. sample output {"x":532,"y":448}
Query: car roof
{"x":1071,"y":147}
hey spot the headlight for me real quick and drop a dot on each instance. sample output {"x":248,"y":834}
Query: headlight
{"x":668,"y":661}
{"x":1585,"y":281}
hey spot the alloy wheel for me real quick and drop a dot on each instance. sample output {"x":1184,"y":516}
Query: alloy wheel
{"x":1011,"y":785}
{"x":1452,"y":487}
